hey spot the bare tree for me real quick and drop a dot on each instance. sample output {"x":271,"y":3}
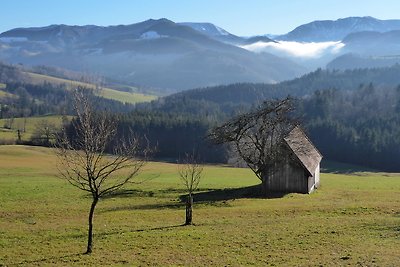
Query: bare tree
{"x":45,"y":132}
{"x":24,"y":124}
{"x":190,"y":172}
{"x":84,"y":163}
{"x":9,"y":122}
{"x":258,"y":136}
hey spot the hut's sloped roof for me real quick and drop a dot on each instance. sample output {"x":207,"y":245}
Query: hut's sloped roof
{"x":303,"y":149}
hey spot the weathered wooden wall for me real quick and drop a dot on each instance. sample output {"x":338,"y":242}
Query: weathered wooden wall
{"x":288,"y":177}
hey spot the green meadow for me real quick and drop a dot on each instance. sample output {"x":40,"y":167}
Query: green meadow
{"x":353,"y":219}
{"x":30,"y":123}
{"x":109,"y":93}
{"x":3,"y":93}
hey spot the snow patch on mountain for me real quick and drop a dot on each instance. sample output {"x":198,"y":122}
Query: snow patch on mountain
{"x":30,"y":53}
{"x":59,"y":33}
{"x":151,"y":35}
{"x":221,"y":31}
{"x":206,"y":28}
{"x":297,"y":49}
{"x":13,"y":39}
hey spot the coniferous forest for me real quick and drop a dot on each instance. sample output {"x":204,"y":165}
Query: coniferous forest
{"x":351,"y":116}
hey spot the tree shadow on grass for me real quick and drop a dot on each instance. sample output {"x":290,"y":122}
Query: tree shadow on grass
{"x":118,"y":232}
{"x":216,"y":195}
{"x":159,"y":228}
{"x":210,"y":197}
{"x":126,"y":193}
{"x":174,"y":205}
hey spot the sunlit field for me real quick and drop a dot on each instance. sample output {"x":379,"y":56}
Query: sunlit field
{"x":352,"y":219}
{"x":109,"y":93}
{"x":29,"y":124}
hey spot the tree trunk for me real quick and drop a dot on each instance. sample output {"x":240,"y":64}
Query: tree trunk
{"x":189,"y":209}
{"x":264,"y":184}
{"x":90,"y":231}
{"x":19,"y":135}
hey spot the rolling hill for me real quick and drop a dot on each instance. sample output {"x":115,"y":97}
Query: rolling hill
{"x":231,"y":97}
{"x":12,"y":75}
{"x":109,"y":93}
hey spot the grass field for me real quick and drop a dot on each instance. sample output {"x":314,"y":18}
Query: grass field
{"x":3,"y":93}
{"x":352,"y":219}
{"x":10,"y":135}
{"x":125,"y":97}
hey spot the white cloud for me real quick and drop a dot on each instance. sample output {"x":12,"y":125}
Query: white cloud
{"x":297,"y":49}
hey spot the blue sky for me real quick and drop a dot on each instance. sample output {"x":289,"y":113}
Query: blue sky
{"x":241,"y":17}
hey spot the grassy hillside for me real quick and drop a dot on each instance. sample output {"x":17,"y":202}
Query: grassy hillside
{"x":5,"y":94}
{"x":2,"y":93}
{"x":10,"y":135}
{"x":125,"y":97}
{"x":352,"y":220}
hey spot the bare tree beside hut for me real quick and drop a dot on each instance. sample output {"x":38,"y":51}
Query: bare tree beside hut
{"x":269,"y":140}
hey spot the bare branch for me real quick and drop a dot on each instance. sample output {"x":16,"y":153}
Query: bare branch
{"x":257,"y":135}
{"x":190,"y":172}
{"x":82,"y":157}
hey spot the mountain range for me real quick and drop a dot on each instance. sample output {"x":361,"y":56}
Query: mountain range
{"x":337,"y":30}
{"x":368,"y":49}
{"x":335,"y":43}
{"x":171,"y":56}
{"x":154,"y":53}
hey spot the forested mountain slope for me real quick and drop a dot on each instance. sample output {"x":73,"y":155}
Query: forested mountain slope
{"x":352,"y":116}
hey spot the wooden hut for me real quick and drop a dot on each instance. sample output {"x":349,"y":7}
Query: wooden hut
{"x":298,"y":172}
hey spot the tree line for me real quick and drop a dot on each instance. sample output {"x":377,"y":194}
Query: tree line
{"x":349,"y":118}
{"x":360,"y":127}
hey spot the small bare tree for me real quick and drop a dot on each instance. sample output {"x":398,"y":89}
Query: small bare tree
{"x":257,"y":136}
{"x":190,"y":172}
{"x":9,"y":122}
{"x":45,"y":132}
{"x":84,"y":163}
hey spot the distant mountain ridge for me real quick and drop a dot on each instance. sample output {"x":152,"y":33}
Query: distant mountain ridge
{"x":371,"y":42}
{"x":206,"y":28}
{"x":368,"y":49}
{"x":153,"y":53}
{"x":171,"y":57}
{"x":222,"y":35}
{"x":336,"y":30}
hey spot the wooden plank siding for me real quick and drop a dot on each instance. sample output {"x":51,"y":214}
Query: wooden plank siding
{"x":288,"y":177}
{"x":298,"y":170}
